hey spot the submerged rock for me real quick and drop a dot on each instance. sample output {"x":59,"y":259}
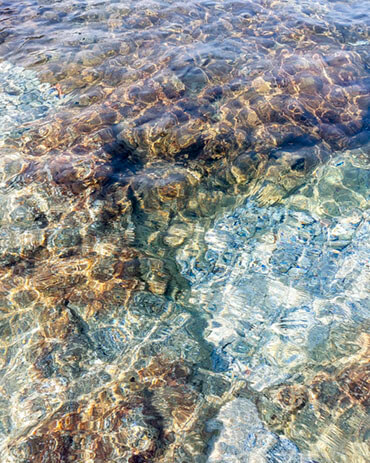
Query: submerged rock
{"x":242,"y":438}
{"x":288,"y":312}
{"x":173,"y":114}
{"x":23,"y":99}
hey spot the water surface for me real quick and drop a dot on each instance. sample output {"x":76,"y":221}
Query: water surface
{"x":184,"y":231}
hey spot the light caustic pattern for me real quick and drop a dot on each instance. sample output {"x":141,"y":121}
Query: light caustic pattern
{"x":144,"y":123}
{"x":23,"y":98}
{"x":286,"y":292}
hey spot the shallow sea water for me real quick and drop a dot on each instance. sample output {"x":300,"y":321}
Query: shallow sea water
{"x":184,"y":231}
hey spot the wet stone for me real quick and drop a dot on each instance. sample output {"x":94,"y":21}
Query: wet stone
{"x":176,"y":235}
{"x":144,"y":292}
{"x":152,"y":305}
{"x":23,"y":98}
{"x":108,"y":343}
{"x":103,"y":269}
{"x":65,"y":238}
{"x":249,"y":285}
{"x":25,"y":298}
